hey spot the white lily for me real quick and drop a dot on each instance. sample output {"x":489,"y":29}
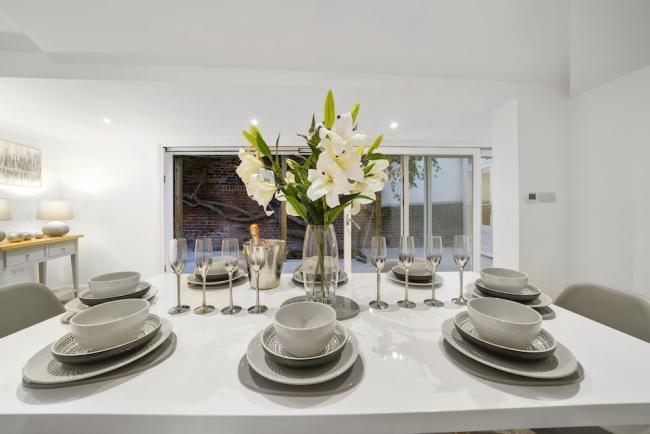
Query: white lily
{"x":372,"y":183}
{"x":262,"y":188}
{"x":341,"y":134}
{"x":327,"y":180}
{"x":249,"y":166}
{"x":377,"y":175}
{"x":348,"y":160}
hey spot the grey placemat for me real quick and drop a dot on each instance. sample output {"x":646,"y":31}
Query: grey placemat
{"x":253,"y":381}
{"x":152,"y":359}
{"x":345,"y":307}
{"x":486,"y":373}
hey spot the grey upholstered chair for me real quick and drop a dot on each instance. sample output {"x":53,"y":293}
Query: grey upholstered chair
{"x":24,"y":304}
{"x":628,"y":313}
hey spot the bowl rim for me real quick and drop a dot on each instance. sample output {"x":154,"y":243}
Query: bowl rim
{"x":145,"y":306}
{"x":499,"y":300}
{"x":132,"y":274}
{"x":487,"y":271}
{"x":332,"y":320}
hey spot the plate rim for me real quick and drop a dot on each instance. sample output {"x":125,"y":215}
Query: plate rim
{"x":216,"y":282}
{"x":500,"y":291}
{"x":352,"y":341}
{"x":69,"y":307}
{"x":516,"y":350}
{"x":424,"y":285}
{"x":544,"y":300}
{"x":306,"y":359}
{"x":449,"y":328}
{"x":165,"y":331}
{"x":142,"y":282}
{"x":55,"y":343}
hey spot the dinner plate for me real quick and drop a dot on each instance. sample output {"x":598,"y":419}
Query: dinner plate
{"x":542,"y":346}
{"x":76,"y":305}
{"x":419,"y":272}
{"x":297,"y":277}
{"x":68,"y":350}
{"x":332,"y":350}
{"x":43,"y":368}
{"x":543,"y":300}
{"x":416,"y":285}
{"x":264,"y":365}
{"x":487,"y":373}
{"x":193,"y":280}
{"x":529,"y":293}
{"x":561,"y":364}
{"x":89,"y":299}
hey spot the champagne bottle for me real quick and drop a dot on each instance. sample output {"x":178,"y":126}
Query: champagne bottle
{"x":255,"y":234}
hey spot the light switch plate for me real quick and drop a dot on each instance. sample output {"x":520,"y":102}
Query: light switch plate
{"x":548,"y":197}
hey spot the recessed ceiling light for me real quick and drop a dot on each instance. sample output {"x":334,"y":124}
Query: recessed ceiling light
{"x":393,"y":125}
{"x":254,"y":122}
{"x":107,"y":120}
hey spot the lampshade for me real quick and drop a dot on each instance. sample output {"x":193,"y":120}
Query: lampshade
{"x":5,"y":210}
{"x":54,"y":210}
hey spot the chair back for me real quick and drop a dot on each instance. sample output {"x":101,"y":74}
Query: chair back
{"x":628,"y":313}
{"x":25,"y":304}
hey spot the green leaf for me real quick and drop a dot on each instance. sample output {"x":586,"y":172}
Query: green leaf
{"x":329,"y":112}
{"x":263,"y":147}
{"x":251,"y":138}
{"x":355,"y":112}
{"x":375,"y":144}
{"x":299,"y":207}
{"x":312,"y":127}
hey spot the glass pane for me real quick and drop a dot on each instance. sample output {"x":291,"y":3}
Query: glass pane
{"x":451,"y":203}
{"x":379,"y":218}
{"x":417,"y":199}
{"x":486,"y":212}
{"x":215,"y":204}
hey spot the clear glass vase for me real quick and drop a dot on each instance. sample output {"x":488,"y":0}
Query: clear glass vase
{"x":320,"y":263}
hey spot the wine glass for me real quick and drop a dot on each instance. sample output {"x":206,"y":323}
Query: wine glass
{"x":462,"y":253}
{"x":257,"y":261}
{"x":178,"y":260}
{"x":230,"y":259}
{"x":378,"y":258}
{"x":433,"y":252}
{"x":203,"y":259}
{"x":406,"y":255}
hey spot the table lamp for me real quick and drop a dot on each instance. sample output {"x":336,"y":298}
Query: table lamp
{"x":55,"y":210}
{"x":5,"y":214}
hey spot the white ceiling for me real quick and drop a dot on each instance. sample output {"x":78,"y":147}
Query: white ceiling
{"x":514,"y":40}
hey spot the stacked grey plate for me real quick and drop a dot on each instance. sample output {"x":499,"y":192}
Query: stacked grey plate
{"x":299,"y":280}
{"x":66,"y":362}
{"x":419,"y":275}
{"x":544,"y":361}
{"x":266,"y":356}
{"x":78,"y":304}
{"x":195,"y":280}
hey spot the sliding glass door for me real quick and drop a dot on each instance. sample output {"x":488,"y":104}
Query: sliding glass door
{"x":427,"y":194}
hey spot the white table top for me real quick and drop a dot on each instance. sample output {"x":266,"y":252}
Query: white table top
{"x":408,"y":385}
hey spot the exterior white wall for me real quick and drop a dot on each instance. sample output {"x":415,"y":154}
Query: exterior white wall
{"x":610,"y":203}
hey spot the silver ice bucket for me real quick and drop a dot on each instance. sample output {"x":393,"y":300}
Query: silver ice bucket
{"x":272,"y":269}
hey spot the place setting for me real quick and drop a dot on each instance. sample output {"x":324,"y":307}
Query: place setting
{"x":511,"y":285}
{"x":106,"y":341}
{"x":109,"y":287}
{"x":305,"y":351}
{"x":506,"y":337}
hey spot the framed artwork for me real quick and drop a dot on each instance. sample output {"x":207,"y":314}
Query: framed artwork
{"x":19,"y":164}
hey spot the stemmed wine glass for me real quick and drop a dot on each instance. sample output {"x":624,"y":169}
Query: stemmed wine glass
{"x":406,"y":255}
{"x":203,"y":259}
{"x":257,"y":261}
{"x":178,"y":260}
{"x":230,"y":260}
{"x":433,"y":252}
{"x":378,"y":258}
{"x":462,"y":251}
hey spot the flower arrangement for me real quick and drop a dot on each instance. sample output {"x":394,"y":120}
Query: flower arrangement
{"x":341,"y":171}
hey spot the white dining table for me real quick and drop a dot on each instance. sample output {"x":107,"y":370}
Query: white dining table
{"x":408,"y":385}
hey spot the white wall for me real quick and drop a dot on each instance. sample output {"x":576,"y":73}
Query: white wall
{"x":610,"y":152}
{"x":115,"y":188}
{"x":25,"y":200}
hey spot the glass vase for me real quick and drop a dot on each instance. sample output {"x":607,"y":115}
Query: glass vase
{"x":320,"y":263}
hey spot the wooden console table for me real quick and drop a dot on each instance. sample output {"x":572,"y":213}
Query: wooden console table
{"x":39,"y":251}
